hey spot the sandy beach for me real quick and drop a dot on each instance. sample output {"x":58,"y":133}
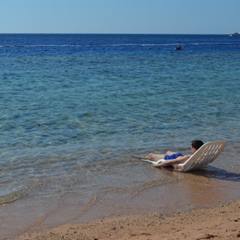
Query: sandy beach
{"x":222,"y":222}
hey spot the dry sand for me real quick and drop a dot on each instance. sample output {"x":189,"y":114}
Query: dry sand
{"x":222,"y":222}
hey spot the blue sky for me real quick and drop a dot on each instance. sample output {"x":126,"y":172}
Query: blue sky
{"x":120,"y":16}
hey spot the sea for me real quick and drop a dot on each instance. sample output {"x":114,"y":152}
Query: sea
{"x":74,"y":108}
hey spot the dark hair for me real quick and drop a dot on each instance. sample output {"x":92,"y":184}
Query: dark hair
{"x":197,"y":144}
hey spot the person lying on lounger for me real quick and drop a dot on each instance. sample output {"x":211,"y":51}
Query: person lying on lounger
{"x":173,"y":157}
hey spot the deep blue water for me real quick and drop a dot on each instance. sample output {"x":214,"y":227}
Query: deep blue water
{"x":75,"y":44}
{"x":73,"y":106}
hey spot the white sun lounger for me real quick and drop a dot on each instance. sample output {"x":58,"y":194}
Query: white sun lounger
{"x":200,"y":159}
{"x":203,"y":156}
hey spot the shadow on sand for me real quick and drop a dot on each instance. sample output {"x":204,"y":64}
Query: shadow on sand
{"x":209,"y":172}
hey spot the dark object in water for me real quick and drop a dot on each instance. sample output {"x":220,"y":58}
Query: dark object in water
{"x":178,"y":48}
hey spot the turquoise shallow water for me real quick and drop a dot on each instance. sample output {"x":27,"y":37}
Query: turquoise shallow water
{"x":74,"y":108}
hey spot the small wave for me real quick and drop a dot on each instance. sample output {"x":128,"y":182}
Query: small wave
{"x":10,"y":198}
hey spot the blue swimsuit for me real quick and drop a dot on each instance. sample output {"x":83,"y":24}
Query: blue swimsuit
{"x":173,"y":156}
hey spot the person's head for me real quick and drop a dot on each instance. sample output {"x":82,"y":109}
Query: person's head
{"x":196,"y":144}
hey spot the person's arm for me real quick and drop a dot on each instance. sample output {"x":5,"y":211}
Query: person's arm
{"x":178,"y":160}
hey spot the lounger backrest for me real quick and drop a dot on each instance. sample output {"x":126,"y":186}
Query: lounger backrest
{"x":203,"y":156}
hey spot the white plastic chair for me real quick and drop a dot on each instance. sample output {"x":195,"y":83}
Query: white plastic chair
{"x":206,"y":154}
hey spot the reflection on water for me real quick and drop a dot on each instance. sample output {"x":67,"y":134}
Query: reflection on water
{"x":201,"y":190}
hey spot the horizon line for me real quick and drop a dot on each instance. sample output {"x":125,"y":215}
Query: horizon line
{"x":122,"y":33}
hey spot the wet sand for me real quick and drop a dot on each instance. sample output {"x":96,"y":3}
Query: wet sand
{"x":222,"y":222}
{"x":143,"y":205}
{"x":170,"y":206}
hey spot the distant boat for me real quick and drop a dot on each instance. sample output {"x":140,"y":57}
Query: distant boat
{"x":235,"y":34}
{"x":178,"y":48}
